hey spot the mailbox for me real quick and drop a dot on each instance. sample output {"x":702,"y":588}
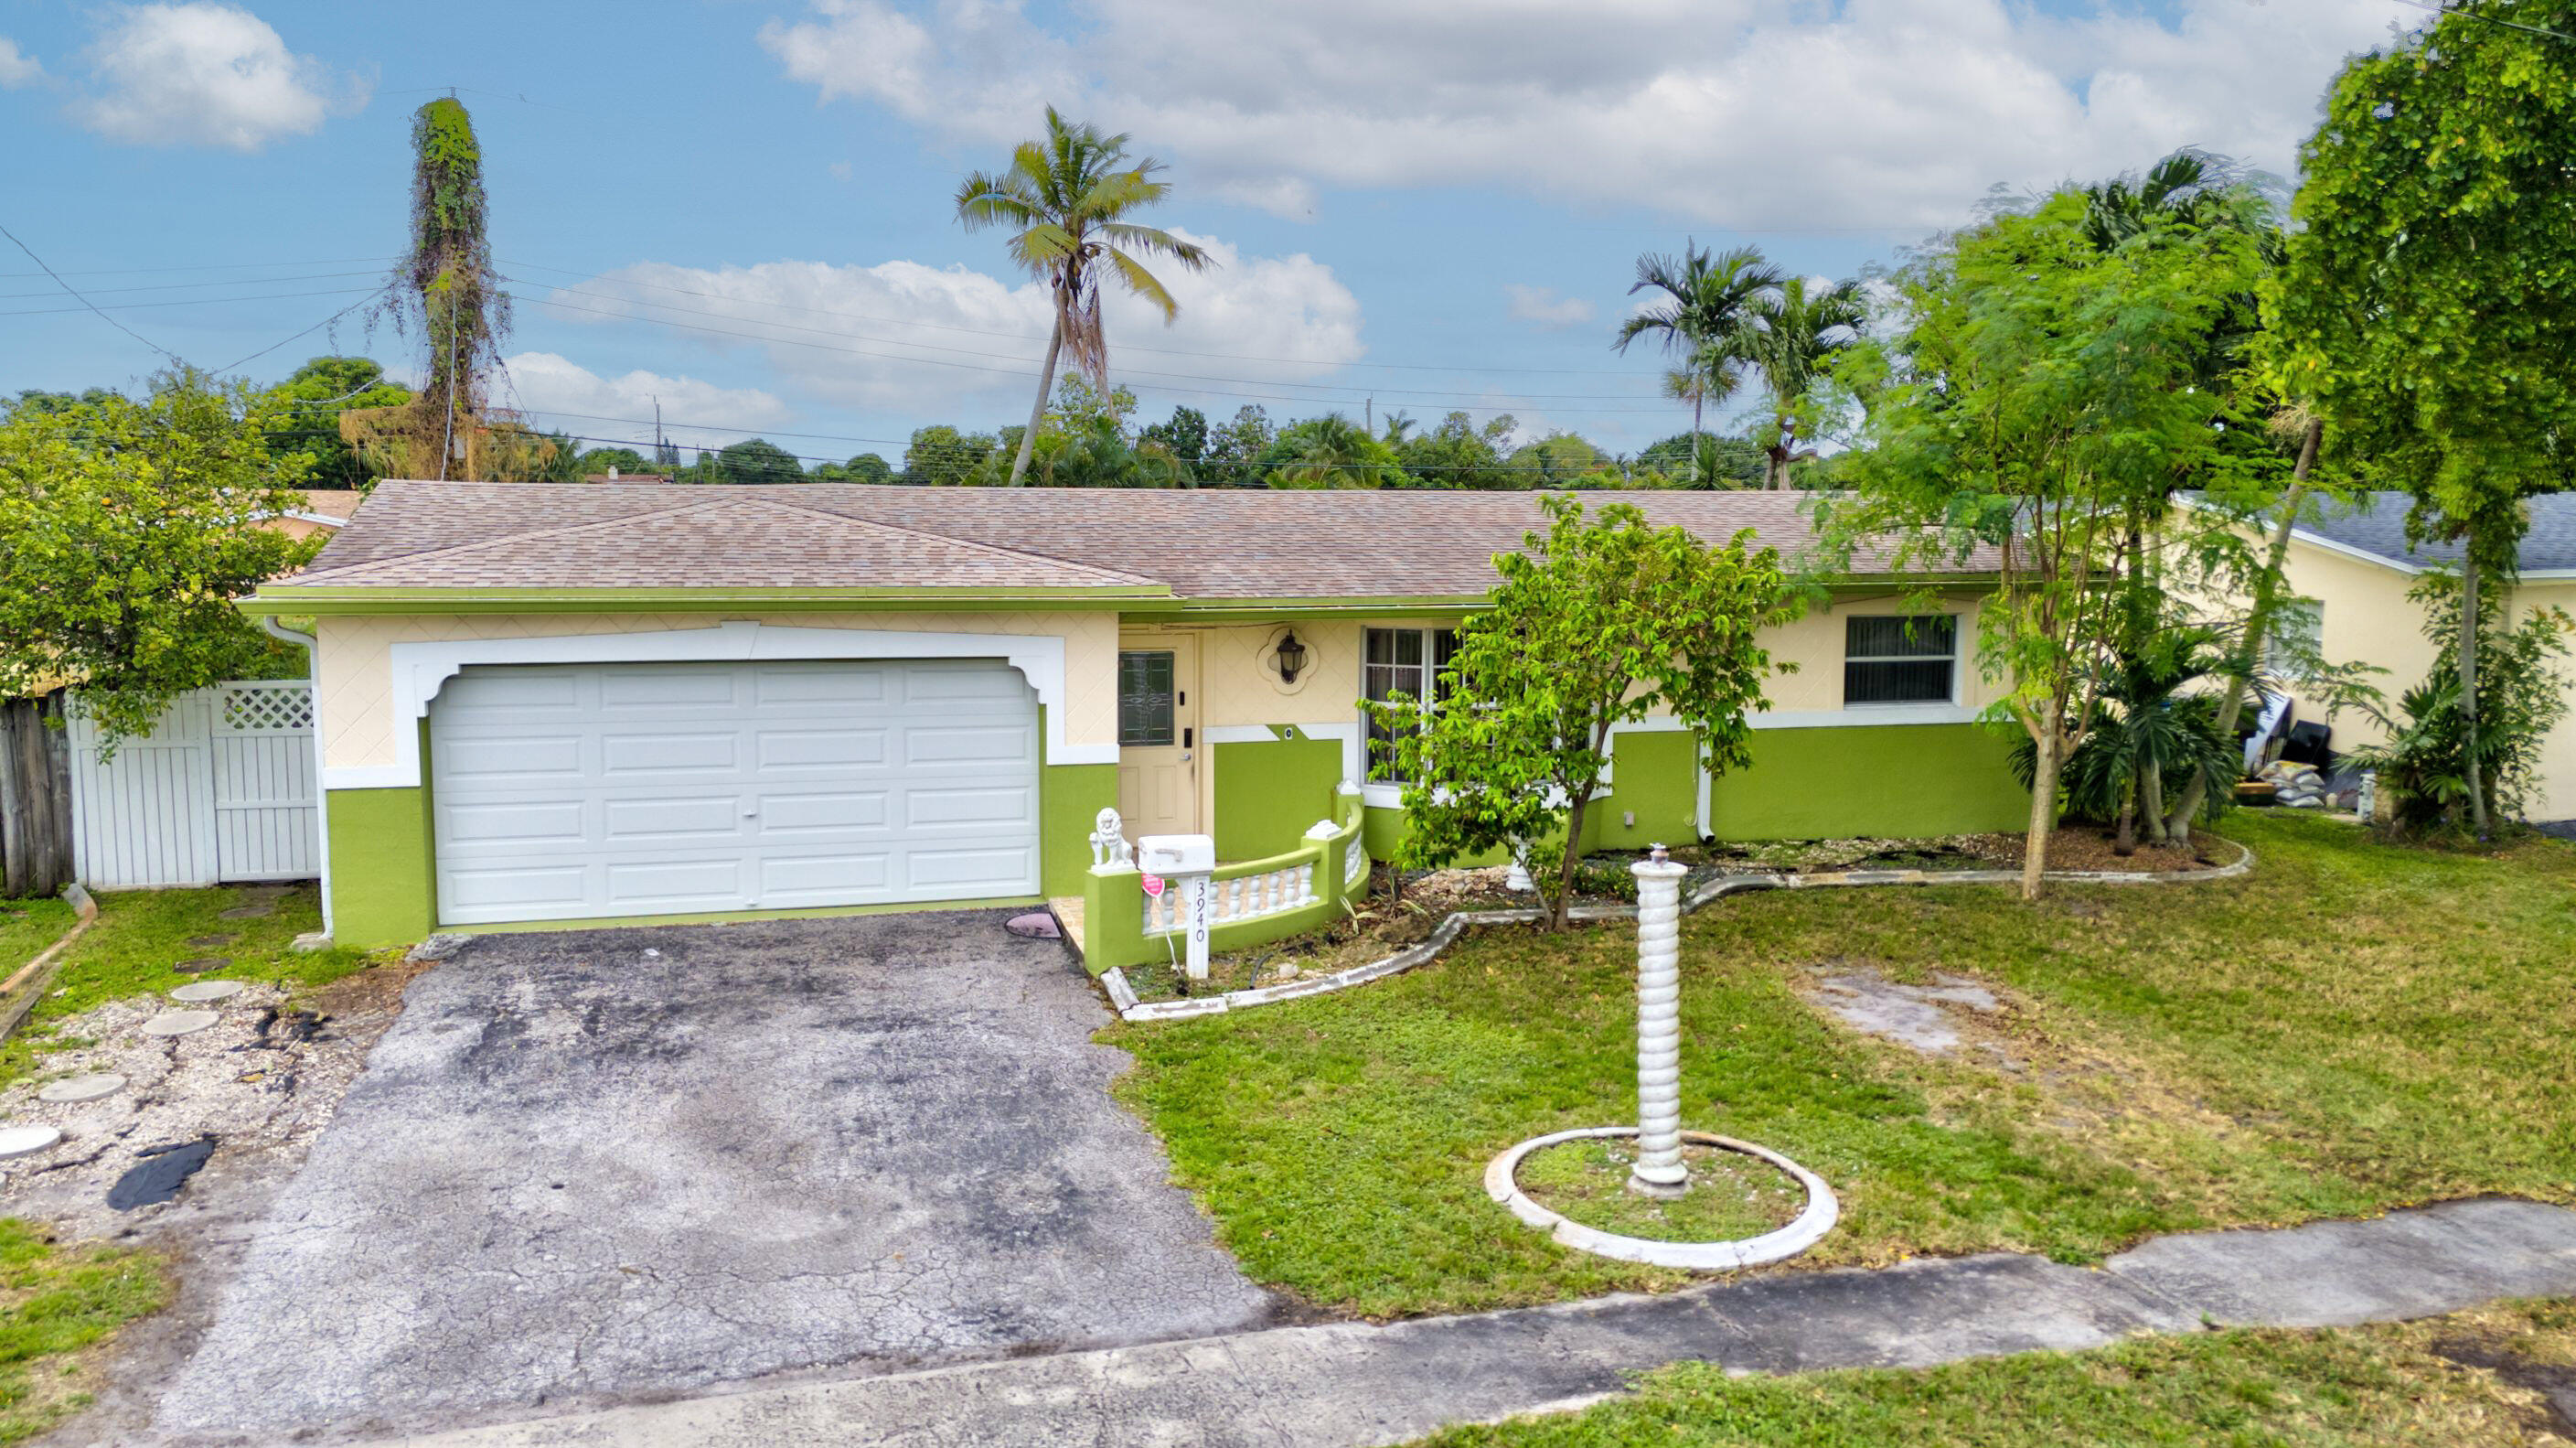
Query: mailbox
{"x":1176,"y":854}
{"x":1186,"y":861}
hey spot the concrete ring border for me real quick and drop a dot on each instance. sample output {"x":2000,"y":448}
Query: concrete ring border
{"x":1810,"y":1226}
{"x":1123,"y":999}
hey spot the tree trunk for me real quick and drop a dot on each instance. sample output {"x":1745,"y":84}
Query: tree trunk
{"x":2469,"y":682}
{"x":2231,"y":708}
{"x":1557,"y":919}
{"x":2043,"y":801}
{"x":2151,"y":804}
{"x":1037,"y":410}
{"x":2125,"y":842}
{"x":1697,"y":398}
{"x":1777,"y":473}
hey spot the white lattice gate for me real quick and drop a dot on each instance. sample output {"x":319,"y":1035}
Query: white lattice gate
{"x":222,"y":789}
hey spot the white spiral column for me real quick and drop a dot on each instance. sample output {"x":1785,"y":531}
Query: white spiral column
{"x":1659,"y":1171}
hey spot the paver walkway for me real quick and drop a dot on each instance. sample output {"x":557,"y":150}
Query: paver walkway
{"x":1348,"y":1384}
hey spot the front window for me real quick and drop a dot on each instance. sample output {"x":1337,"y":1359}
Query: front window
{"x":1901,"y":659}
{"x":1413,"y":662}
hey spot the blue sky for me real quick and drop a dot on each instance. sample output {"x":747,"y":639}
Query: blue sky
{"x":1438,"y":205}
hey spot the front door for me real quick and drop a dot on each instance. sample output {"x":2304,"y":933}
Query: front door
{"x":1159,"y":752}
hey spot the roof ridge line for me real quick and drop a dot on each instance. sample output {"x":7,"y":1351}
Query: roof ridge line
{"x":511,"y":538}
{"x":951,"y":538}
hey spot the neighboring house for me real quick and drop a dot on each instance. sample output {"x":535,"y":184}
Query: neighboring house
{"x":2355,"y":562}
{"x":324,"y":510}
{"x":618,"y":701}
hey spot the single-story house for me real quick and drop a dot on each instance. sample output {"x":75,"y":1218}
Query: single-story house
{"x":615,"y":701}
{"x":2354,"y":562}
{"x":325,"y":510}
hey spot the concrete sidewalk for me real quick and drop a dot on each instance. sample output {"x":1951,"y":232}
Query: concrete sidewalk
{"x":1354,"y":1384}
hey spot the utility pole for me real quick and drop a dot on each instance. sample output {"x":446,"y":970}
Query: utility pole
{"x":1371,"y":415}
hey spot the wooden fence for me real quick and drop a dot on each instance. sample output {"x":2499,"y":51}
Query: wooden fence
{"x":35,"y":798}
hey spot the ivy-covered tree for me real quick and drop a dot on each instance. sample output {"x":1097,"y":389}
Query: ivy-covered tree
{"x":1599,"y":621}
{"x":2429,"y":301}
{"x":311,"y":400}
{"x":127,"y":530}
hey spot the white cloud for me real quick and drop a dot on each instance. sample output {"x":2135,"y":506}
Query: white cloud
{"x":903,"y":336}
{"x":564,"y":396}
{"x":1543,"y":307}
{"x":209,"y":75}
{"x":16,"y":67}
{"x":1758,"y":113}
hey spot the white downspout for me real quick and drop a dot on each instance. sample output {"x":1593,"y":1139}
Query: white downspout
{"x":269,"y":625}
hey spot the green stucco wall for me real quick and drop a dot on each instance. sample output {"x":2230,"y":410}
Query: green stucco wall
{"x":1070,"y":797}
{"x":1899,"y":781}
{"x":1270,"y":792}
{"x":382,"y":888}
{"x":1654,"y":777}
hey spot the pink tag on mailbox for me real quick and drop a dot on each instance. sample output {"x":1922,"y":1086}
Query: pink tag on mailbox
{"x":1154,"y":885}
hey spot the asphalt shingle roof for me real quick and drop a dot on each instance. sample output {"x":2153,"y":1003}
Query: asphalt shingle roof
{"x":1203,"y":544}
{"x":2376,"y":524}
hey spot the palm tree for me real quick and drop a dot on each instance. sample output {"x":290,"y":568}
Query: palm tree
{"x":1334,"y":452}
{"x":1065,"y":194}
{"x":1789,"y":336}
{"x":1701,"y":318}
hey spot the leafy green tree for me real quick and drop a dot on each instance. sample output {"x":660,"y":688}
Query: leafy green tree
{"x":941,"y":456}
{"x":1234,"y":451}
{"x":2040,"y":398}
{"x":312,"y":399}
{"x":2434,"y":758}
{"x":865,"y":468}
{"x":127,"y":530}
{"x":1066,"y":196}
{"x":596,"y":462}
{"x":1722,"y":462}
{"x":1331,"y":452}
{"x":1701,"y":318}
{"x":2157,"y":726}
{"x":1600,"y":621}
{"x":757,"y":460}
{"x":2429,"y":300}
{"x":1457,"y":453}
{"x":1789,"y":337}
{"x":35,"y":399}
{"x":1184,"y":435}
{"x":1557,"y":460}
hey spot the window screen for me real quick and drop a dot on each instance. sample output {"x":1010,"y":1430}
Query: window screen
{"x":1899,"y":660}
{"x":1145,"y":698}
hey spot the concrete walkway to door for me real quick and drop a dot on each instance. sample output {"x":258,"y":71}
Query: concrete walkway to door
{"x":598,"y":1166}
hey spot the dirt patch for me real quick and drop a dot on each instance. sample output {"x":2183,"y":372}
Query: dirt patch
{"x":259,"y":1084}
{"x":1923,"y":1017}
{"x":2500,"y":1341}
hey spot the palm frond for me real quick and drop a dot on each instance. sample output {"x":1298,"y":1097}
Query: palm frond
{"x":1154,"y":241}
{"x":1140,"y":281}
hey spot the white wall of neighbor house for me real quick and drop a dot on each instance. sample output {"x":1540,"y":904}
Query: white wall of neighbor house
{"x":2365,"y":616}
{"x":353,"y":663}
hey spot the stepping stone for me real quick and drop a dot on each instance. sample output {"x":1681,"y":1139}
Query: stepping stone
{"x":178,"y":1023}
{"x":256,"y":911}
{"x":201,"y":964}
{"x":204,"y":942}
{"x":21,"y":1140}
{"x":82,"y":1088}
{"x":206,"y":990}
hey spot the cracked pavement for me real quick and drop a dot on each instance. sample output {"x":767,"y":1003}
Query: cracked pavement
{"x":616,"y":1165}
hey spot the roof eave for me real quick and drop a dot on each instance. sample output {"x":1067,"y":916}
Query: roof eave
{"x":323,"y":598}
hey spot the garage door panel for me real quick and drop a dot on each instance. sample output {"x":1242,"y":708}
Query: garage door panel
{"x":520,"y":759}
{"x":663,"y":690}
{"x":806,"y":814}
{"x":839,"y":748}
{"x":511,"y":893}
{"x":995,"y":744}
{"x":654,"y":820}
{"x":564,"y":792}
{"x":991,"y":870}
{"x":823,"y":879}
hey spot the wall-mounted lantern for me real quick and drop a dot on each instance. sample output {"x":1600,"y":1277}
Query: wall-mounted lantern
{"x":1292,"y":658}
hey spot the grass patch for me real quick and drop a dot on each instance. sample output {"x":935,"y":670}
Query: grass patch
{"x":56,"y":1308}
{"x":2375,"y":1387}
{"x":2354,"y":1026}
{"x":1732,"y":1196}
{"x":28,"y":926}
{"x":141,"y":934}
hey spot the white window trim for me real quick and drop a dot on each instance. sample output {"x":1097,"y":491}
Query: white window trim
{"x":1384,"y":793}
{"x":1905,"y":712}
{"x":420,"y":670}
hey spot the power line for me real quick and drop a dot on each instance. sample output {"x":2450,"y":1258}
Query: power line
{"x":86,"y":302}
{"x":2465,"y":12}
{"x":316,"y":327}
{"x":180,"y":302}
{"x":213,"y":266}
{"x":183,"y":286}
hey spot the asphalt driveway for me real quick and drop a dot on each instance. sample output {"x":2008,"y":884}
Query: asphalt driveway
{"x":621,"y":1164}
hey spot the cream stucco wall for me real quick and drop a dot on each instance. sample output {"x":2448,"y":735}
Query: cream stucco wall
{"x":2364,"y":616}
{"x":354,"y":660}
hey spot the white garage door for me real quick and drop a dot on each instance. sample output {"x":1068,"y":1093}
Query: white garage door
{"x":658,"y":789}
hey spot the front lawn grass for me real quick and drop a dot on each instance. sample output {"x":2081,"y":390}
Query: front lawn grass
{"x":56,"y":1309}
{"x":2352,"y":1027}
{"x":141,"y":934}
{"x":2374,"y":1387}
